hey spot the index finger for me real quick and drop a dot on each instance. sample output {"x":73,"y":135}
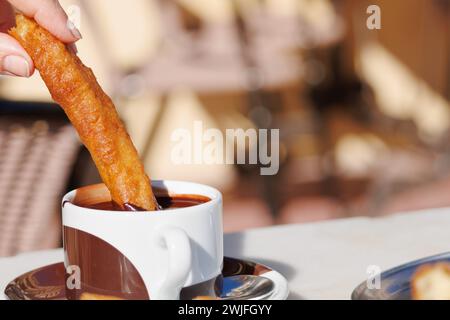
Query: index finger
{"x":50,"y":15}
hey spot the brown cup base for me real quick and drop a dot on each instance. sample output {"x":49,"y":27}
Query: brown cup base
{"x":105,"y":273}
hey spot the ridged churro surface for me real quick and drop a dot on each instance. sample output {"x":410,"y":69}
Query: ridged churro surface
{"x":74,"y":87}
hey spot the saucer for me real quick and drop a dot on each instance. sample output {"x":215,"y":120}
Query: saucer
{"x":396,"y":282}
{"x":47,"y":283}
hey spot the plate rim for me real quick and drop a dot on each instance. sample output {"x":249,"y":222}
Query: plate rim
{"x":281,"y":291}
{"x":358,"y":292}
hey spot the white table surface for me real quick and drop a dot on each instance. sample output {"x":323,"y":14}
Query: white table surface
{"x":324,"y":260}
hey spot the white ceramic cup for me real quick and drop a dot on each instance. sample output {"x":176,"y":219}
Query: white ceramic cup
{"x":170,"y":249}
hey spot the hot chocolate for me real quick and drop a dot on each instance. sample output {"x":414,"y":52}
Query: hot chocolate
{"x":165,"y":202}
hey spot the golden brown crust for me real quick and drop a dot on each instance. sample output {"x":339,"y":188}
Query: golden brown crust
{"x":95,"y":296}
{"x":431,"y":281}
{"x":205,"y":298}
{"x":74,"y":87}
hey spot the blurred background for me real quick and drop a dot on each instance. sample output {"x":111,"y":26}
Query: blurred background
{"x":364,"y":115}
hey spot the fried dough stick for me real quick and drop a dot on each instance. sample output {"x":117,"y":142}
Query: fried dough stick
{"x":92,"y":113}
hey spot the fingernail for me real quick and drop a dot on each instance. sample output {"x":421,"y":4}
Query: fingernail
{"x":73,"y":30}
{"x":16,"y":65}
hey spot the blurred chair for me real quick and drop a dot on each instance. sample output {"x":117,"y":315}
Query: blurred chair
{"x":36,"y":160}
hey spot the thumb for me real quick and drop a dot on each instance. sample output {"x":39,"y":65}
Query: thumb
{"x":50,"y":15}
{"x":13,"y":58}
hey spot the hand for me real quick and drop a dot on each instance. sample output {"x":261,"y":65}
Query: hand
{"x":49,"y":14}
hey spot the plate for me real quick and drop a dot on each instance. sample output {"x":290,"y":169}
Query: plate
{"x":47,"y":283}
{"x":395,"y":283}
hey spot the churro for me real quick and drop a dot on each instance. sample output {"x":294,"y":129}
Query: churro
{"x":74,"y":87}
{"x":431,"y":282}
{"x":94,"y":296}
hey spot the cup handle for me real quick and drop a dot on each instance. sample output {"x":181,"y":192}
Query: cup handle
{"x":177,"y":243}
